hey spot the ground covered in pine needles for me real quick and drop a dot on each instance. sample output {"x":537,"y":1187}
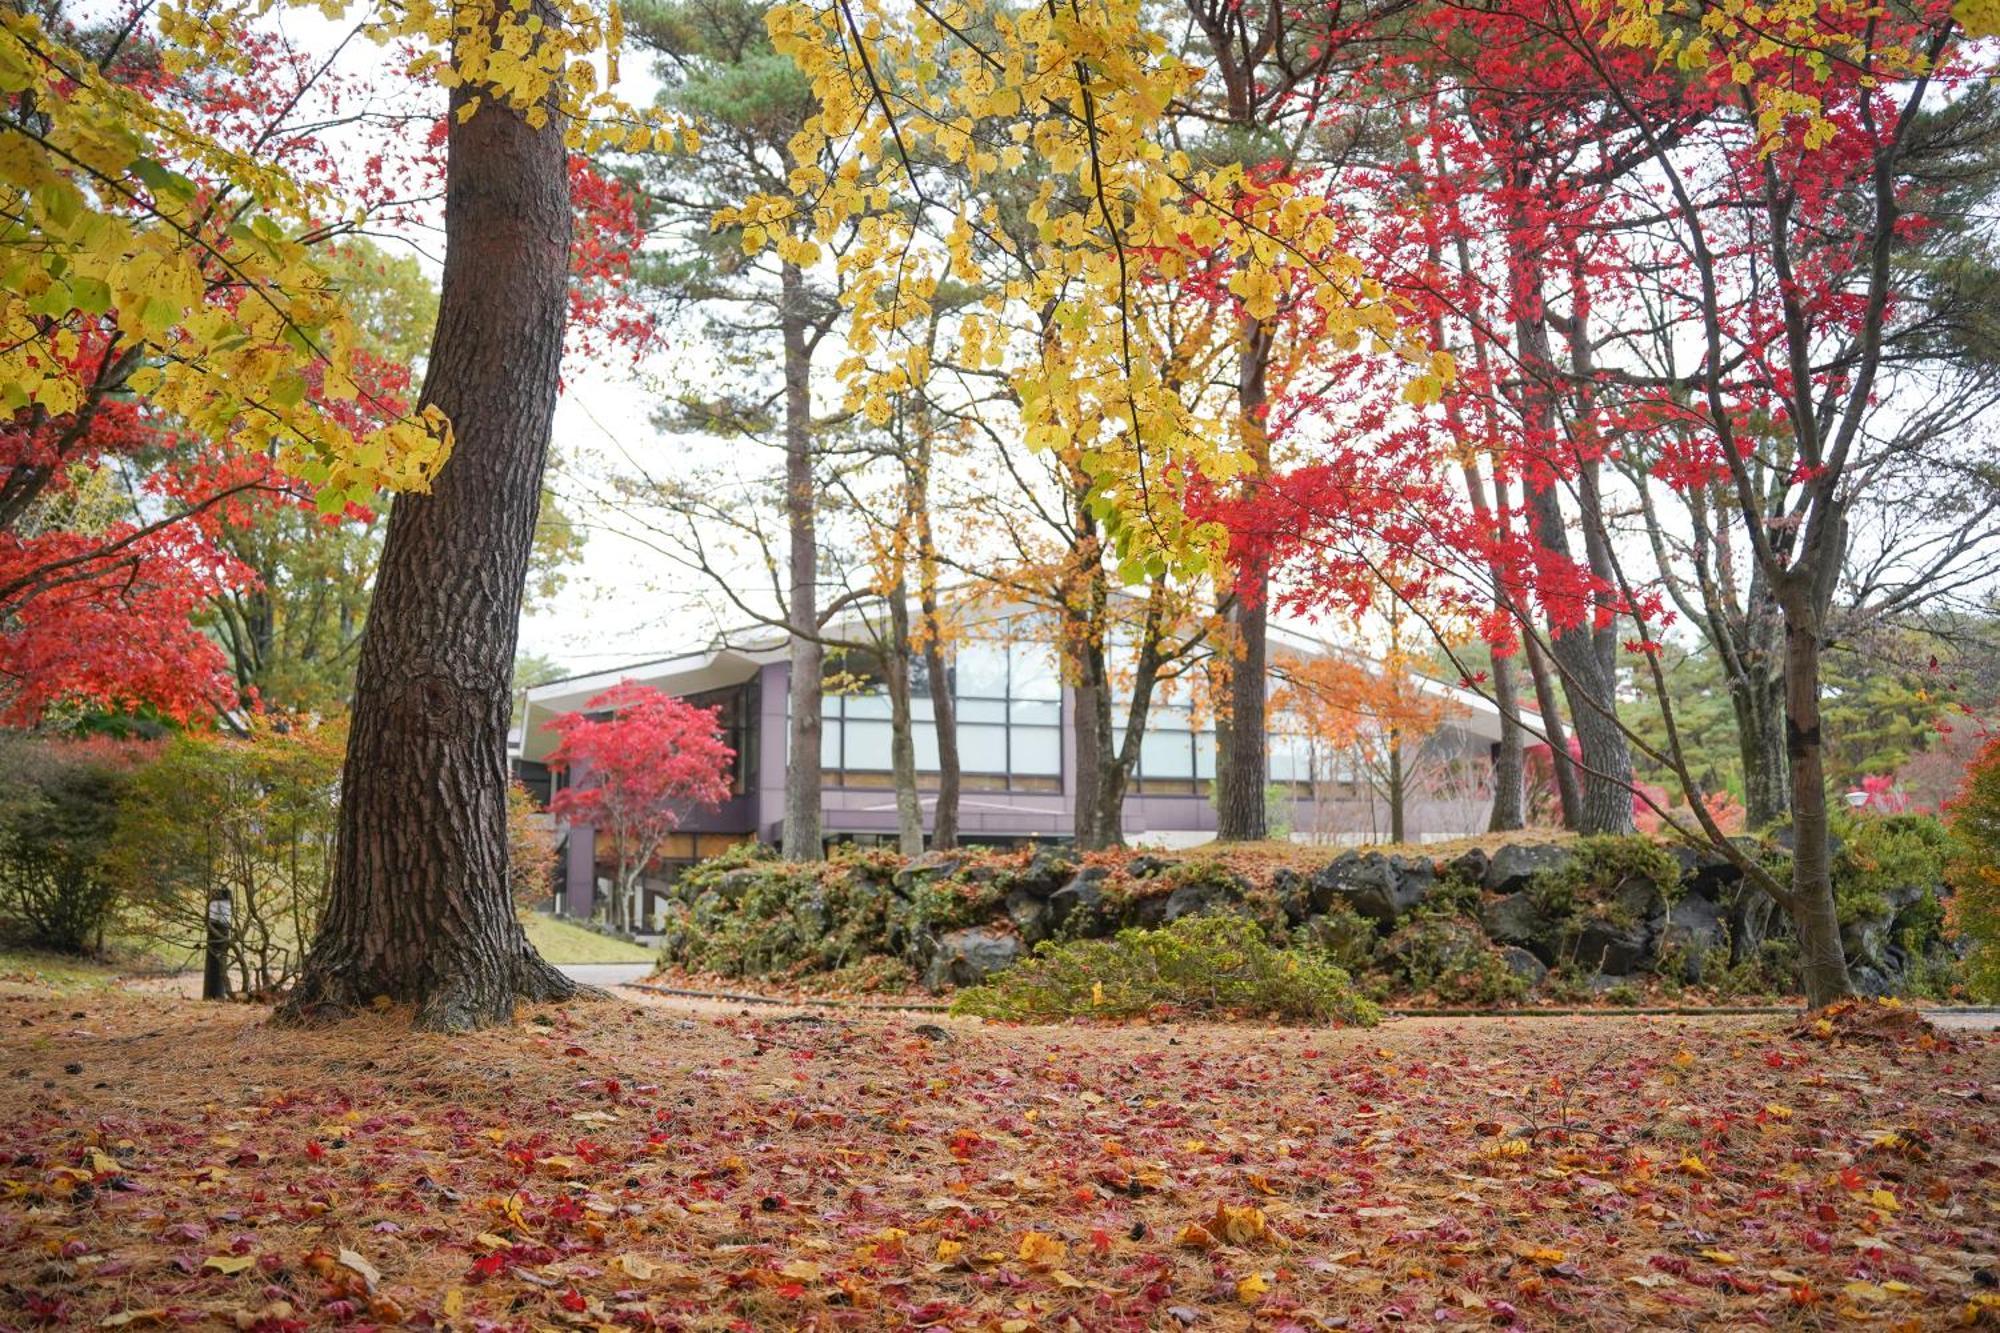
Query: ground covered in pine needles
{"x":615,"y":1164}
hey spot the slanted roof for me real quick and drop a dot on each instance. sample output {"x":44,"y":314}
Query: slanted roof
{"x":690,"y":673}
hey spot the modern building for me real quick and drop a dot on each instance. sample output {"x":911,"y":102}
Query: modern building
{"x":1017,"y":754}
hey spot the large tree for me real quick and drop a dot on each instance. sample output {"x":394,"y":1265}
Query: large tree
{"x":420,"y":910}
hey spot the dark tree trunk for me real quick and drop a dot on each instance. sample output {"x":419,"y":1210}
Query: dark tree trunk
{"x":419,"y":910}
{"x":902,"y":743}
{"x":803,"y":838}
{"x":1760,"y":733}
{"x":1398,"y":788}
{"x":1569,"y":792}
{"x":1509,"y":760}
{"x":944,"y":817}
{"x":1606,"y":805}
{"x":1100,"y":796}
{"x":1239,"y":804}
{"x":1822,"y":963}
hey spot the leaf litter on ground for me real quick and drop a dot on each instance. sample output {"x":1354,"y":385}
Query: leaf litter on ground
{"x":612,"y":1165}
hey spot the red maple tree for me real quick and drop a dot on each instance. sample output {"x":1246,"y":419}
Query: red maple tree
{"x":639,"y":761}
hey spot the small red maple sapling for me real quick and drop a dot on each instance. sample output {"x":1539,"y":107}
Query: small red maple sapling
{"x":640,"y":761}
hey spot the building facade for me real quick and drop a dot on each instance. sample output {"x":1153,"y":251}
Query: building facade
{"x":1017,"y":754}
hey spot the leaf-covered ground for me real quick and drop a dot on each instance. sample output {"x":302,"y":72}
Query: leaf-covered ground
{"x":613,"y":1164}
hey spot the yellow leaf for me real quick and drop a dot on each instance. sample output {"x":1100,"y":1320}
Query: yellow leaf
{"x":636,"y":1266}
{"x":948,"y":1251}
{"x":1719,"y":1256}
{"x":1693,"y":1165}
{"x":228,"y":1264}
{"x":1041,"y":1251}
{"x":1252,"y":1288}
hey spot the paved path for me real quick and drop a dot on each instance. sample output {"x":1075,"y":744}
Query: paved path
{"x":607,"y":974}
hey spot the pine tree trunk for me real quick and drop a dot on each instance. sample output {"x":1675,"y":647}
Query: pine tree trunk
{"x":803,"y":837}
{"x":1822,"y":962}
{"x":419,"y":910}
{"x":1760,"y":733}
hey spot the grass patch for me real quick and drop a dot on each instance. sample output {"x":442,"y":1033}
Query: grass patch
{"x":563,"y":942}
{"x":1209,"y":965}
{"x":53,"y":971}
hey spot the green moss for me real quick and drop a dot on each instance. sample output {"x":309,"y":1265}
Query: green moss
{"x":1213,"y":965}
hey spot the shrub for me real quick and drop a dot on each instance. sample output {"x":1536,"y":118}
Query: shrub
{"x":531,"y":850}
{"x":1597,"y":865}
{"x":58,"y":810}
{"x":1973,"y":914}
{"x":253,"y":816}
{"x":1880,"y":854}
{"x":1451,"y":958}
{"x":1202,"y":965}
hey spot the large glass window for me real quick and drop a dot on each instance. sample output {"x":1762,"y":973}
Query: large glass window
{"x":1008,"y":700}
{"x":736,"y":715}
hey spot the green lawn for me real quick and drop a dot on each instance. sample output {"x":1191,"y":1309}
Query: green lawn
{"x":55,"y":971}
{"x":560,"y":942}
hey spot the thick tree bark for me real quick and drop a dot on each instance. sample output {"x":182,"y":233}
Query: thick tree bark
{"x":1822,"y":962}
{"x":1759,"y":703}
{"x":420,"y":910}
{"x":803,"y":836}
{"x":1239,"y":806}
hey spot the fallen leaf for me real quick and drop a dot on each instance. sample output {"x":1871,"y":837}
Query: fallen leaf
{"x":355,"y":1264}
{"x":229,"y":1265}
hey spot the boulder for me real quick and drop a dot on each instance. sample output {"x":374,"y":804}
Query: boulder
{"x":1081,"y":894}
{"x":1030,"y":916}
{"x":1524,"y":965}
{"x":929,"y":866}
{"x":1145,"y":866}
{"x":1516,"y":920}
{"x":1047,"y":870}
{"x":1752,"y":916}
{"x":1346,"y":939}
{"x":1639,"y":899}
{"x":1614,"y":946}
{"x":1514,"y":866}
{"x":1294,"y":894}
{"x":968,"y":957}
{"x":1200,"y":899}
{"x":1695,"y":926}
{"x":1381,"y":888}
{"x":1469,"y":867}
{"x":1864,"y":939}
{"x":1429,"y":948}
{"x":1707,"y":873}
